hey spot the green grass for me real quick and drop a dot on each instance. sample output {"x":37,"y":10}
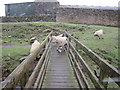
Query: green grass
{"x":107,"y":48}
{"x":15,"y":50}
{"x":20,"y":34}
{"x":11,"y":56}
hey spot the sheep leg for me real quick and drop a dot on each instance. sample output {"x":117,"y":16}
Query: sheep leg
{"x":102,"y":38}
{"x":99,"y":37}
{"x":60,"y":49}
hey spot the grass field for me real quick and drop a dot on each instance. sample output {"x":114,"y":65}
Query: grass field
{"x":16,"y":40}
{"x":107,"y":48}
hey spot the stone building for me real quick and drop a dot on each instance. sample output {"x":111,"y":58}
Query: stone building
{"x":39,"y":7}
{"x":52,"y":11}
{"x":46,"y":7}
{"x":45,"y":0}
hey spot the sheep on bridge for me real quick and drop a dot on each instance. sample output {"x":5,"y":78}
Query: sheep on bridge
{"x":61,"y":40}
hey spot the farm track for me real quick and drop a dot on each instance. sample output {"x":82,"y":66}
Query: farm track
{"x":15,"y":45}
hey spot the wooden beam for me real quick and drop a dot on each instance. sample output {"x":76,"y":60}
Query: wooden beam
{"x":31,"y":79}
{"x":112,"y":71}
{"x":18,"y":73}
{"x":88,"y":70}
{"x":80,"y":71}
{"x":102,"y":76}
{"x":41,"y":74}
{"x":45,"y":67}
{"x":81,"y":84}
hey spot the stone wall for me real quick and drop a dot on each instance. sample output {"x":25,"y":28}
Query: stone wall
{"x":87,"y":16}
{"x":42,"y":8}
{"x":46,"y":18}
{"x":51,"y":12}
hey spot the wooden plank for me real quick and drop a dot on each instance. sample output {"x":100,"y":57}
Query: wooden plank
{"x":88,"y":70}
{"x":113,"y":72}
{"x":77,"y":48}
{"x":81,"y":85}
{"x":81,"y":72}
{"x":31,"y":79}
{"x":40,"y":77}
{"x":64,"y":71}
{"x":24,"y":80}
{"x":41,"y":74}
{"x":102,"y":76}
{"x":18,"y":73}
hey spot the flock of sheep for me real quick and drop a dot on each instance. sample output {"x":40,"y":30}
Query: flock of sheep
{"x":61,"y":40}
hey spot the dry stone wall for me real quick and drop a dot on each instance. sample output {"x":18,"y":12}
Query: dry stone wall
{"x":46,"y":18}
{"x":88,"y":16}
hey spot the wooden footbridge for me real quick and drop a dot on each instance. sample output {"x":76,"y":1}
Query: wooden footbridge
{"x":69,"y":69}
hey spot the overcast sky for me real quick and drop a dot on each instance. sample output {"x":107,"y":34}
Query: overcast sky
{"x":64,"y":2}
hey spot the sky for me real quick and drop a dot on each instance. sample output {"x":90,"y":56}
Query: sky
{"x":64,"y":2}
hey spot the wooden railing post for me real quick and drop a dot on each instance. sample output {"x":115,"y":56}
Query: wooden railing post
{"x":18,"y":74}
{"x":113,"y":72}
{"x":24,"y":80}
{"x":103,"y":75}
{"x":77,"y":48}
{"x":68,"y":44}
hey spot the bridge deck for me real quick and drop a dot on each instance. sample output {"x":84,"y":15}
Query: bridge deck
{"x":59,"y":72}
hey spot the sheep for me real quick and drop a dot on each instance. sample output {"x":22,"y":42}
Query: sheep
{"x":34,"y":46}
{"x":62,"y":41}
{"x":54,"y":38}
{"x":99,"y":33}
{"x":59,"y":39}
{"x":61,"y":35}
{"x":60,"y":49}
{"x":32,"y":40}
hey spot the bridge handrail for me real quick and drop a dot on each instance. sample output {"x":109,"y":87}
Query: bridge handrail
{"x":94,"y":79}
{"x":19,"y":72}
{"x":40,"y":78}
{"x":37,"y":69}
{"x":104,"y":66}
{"x":77,"y":69}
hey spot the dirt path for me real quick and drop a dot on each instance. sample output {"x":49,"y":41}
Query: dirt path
{"x":15,"y":45}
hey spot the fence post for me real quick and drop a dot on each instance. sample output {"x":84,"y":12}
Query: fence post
{"x":68,"y":43}
{"x":24,"y":80}
{"x":77,"y":48}
{"x":102,"y":76}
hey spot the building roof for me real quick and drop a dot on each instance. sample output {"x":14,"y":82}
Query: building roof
{"x":46,"y":1}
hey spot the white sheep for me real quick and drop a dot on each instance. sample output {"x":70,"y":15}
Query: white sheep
{"x":99,"y":33}
{"x":34,"y":46}
{"x":54,"y":38}
{"x":59,"y":39}
{"x":61,"y":35}
{"x":62,"y":41}
{"x":32,"y":40}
